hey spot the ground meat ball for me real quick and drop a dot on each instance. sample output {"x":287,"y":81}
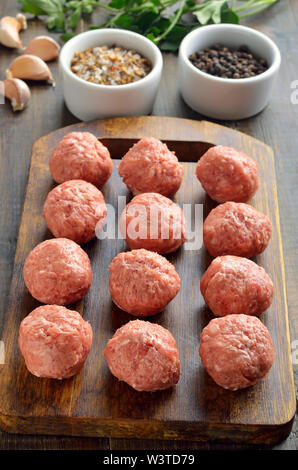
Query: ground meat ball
{"x":228,"y":175}
{"x":54,"y":341}
{"x":74,"y":210}
{"x":235,"y":228}
{"x":233,"y":285}
{"x":149,"y":166}
{"x":80,"y":155}
{"x":236,"y":351}
{"x":58,"y":272}
{"x":144,"y":355}
{"x":153,"y":222}
{"x":142,"y":283}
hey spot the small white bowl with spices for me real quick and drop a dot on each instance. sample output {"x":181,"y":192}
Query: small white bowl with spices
{"x":86,"y":92}
{"x":227,"y":98}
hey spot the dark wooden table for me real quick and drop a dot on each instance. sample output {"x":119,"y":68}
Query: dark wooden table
{"x":276,"y":126}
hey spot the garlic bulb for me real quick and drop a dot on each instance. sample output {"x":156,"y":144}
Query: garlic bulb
{"x":29,"y":67}
{"x":9,"y":30}
{"x":44,"y":47}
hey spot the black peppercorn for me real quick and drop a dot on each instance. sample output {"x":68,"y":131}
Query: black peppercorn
{"x":222,"y":61}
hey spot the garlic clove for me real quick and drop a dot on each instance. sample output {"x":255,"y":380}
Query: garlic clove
{"x":30,"y":67}
{"x":9,"y":30}
{"x":44,"y":47}
{"x":17,"y":92}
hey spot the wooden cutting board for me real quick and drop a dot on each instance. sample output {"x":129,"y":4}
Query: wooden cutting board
{"x":94,"y":403}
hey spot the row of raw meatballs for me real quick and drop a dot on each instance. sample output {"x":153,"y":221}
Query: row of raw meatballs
{"x":142,"y":282}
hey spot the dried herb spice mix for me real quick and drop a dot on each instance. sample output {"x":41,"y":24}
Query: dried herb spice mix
{"x":110,"y":65}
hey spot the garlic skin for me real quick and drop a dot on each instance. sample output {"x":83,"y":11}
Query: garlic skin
{"x":9,"y":30}
{"x":44,"y":47}
{"x":17,"y":92}
{"x":30,"y":67}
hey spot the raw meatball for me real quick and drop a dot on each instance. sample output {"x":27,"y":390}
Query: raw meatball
{"x":149,"y":166}
{"x":235,"y":228}
{"x":144,"y":355}
{"x":234,"y":285}
{"x":236,"y":351}
{"x":142,"y":283}
{"x":58,"y":272}
{"x":80,"y":155}
{"x":74,"y":210}
{"x":228,"y":175}
{"x":154,"y":222}
{"x":54,"y":341}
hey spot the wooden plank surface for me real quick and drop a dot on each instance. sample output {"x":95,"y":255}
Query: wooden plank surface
{"x":276,"y":126}
{"x":96,"y":404}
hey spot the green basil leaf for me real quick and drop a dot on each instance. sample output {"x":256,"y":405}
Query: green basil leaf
{"x":177,"y":34}
{"x":169,"y":46}
{"x":66,"y":36}
{"x":74,"y":18}
{"x":124,"y":21}
{"x":209,"y":12}
{"x":117,"y":4}
{"x":216,"y":17}
{"x":56,"y":22}
{"x":72,"y":5}
{"x":229,"y":16}
{"x":156,"y":3}
{"x":88,"y":9}
{"x":146,"y":19}
{"x":28,"y":6}
{"x":151,"y":37}
{"x":51,"y":7}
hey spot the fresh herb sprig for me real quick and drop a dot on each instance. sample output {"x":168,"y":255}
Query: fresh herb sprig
{"x":165,"y":22}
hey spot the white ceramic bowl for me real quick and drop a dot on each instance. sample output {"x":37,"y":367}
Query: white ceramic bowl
{"x":224,"y":98}
{"x":88,"y":101}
